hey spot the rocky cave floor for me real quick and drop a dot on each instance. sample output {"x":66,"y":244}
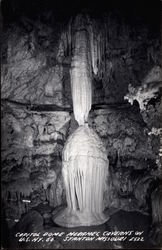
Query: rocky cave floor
{"x":40,"y":220}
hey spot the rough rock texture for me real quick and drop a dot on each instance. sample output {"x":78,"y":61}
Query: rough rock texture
{"x":149,"y":89}
{"x":132,"y":156}
{"x":32,"y":222}
{"x":37,"y":55}
{"x":33,"y":69}
{"x":32,"y":145}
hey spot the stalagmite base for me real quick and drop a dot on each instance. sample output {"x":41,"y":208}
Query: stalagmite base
{"x":85,"y":169}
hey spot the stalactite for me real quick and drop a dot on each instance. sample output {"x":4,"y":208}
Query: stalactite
{"x":81,"y":75}
{"x":95,"y":43}
{"x":93,"y":47}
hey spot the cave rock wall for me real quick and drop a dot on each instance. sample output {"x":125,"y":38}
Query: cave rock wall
{"x":36,"y":62}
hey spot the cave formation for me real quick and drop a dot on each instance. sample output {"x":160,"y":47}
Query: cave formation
{"x":85,"y":163}
{"x":81,"y":119}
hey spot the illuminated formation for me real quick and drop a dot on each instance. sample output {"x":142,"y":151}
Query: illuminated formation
{"x":85,"y":163}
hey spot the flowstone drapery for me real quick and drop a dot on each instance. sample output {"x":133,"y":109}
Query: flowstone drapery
{"x":85,"y":163}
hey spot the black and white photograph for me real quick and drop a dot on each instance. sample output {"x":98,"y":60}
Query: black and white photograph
{"x":81,"y":135}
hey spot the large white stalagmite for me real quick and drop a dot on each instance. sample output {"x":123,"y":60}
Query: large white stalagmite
{"x":85,"y":163}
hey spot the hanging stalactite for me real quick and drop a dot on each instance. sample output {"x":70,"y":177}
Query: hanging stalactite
{"x":81,"y":73}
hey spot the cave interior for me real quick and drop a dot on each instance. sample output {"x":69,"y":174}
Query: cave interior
{"x":37,"y":115}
